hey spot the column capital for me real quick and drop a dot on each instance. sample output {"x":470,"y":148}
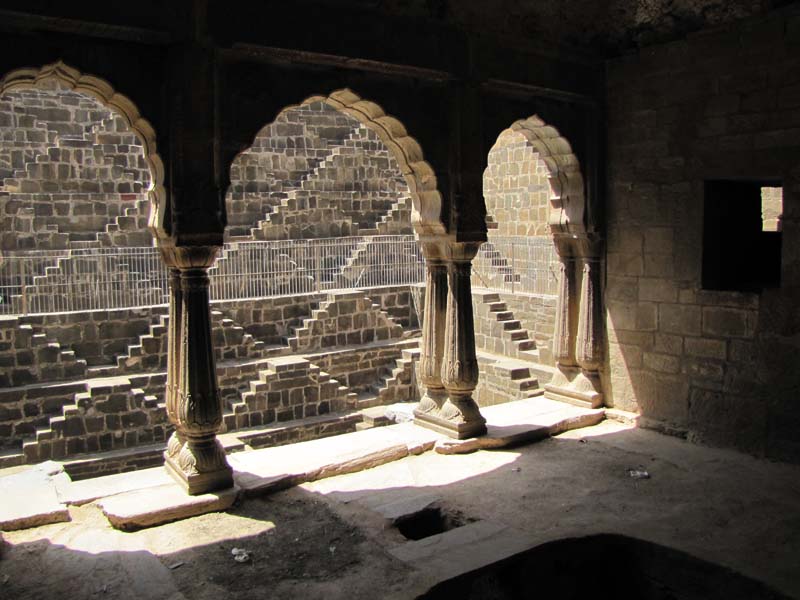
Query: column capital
{"x":462,"y":252}
{"x":189,"y":257}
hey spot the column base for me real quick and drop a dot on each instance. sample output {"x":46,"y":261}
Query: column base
{"x":195,"y":482}
{"x":575,"y":386}
{"x":459,"y":430}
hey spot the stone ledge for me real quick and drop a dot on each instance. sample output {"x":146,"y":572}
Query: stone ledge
{"x":30,"y":498}
{"x":162,"y":504}
{"x":523,"y":422}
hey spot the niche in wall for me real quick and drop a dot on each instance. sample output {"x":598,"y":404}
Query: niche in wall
{"x":742,"y":235}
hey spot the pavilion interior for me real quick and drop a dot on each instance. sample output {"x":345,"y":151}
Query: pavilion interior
{"x":400,"y":298}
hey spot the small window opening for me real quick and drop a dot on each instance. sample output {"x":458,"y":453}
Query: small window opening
{"x":742,"y":235}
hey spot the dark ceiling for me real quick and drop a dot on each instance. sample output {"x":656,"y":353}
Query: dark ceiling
{"x":607,"y":27}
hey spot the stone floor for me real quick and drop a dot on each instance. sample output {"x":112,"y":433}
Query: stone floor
{"x":341,"y":535}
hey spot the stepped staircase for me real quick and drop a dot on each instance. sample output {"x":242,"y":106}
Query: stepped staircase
{"x":505,"y":379}
{"x":500,"y":271}
{"x":393,"y":385}
{"x":106,"y":414}
{"x":497,"y":331}
{"x":368,"y":323}
{"x":30,"y":356}
{"x":306,"y":198}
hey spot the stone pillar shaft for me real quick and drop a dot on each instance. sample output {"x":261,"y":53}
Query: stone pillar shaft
{"x":195,"y":458}
{"x":562,"y":338}
{"x":433,"y":325}
{"x":589,"y":349}
{"x":459,"y":415}
{"x":578,"y":338}
{"x":176,"y":441}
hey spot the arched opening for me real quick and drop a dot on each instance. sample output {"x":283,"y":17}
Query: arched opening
{"x":80,"y":279}
{"x":527,"y":289}
{"x":321,"y":264}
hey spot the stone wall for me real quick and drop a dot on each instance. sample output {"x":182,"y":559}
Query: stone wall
{"x":70,"y":171}
{"x":272,"y":320}
{"x":345,"y":318}
{"x":718,"y":366}
{"x":316,"y":173}
{"x":90,"y":381}
{"x":516,"y":189}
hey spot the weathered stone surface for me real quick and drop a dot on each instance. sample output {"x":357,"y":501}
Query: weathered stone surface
{"x":463,"y":549}
{"x":81,"y":492}
{"x":521,"y":422}
{"x":30,"y":498}
{"x":262,"y":471}
{"x":153,"y":506}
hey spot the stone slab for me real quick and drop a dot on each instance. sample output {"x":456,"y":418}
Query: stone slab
{"x":521,"y":422}
{"x":405,"y":506}
{"x":153,"y":506}
{"x":87,"y":490}
{"x":30,"y":498}
{"x":463,"y":549}
{"x":271,"y":469}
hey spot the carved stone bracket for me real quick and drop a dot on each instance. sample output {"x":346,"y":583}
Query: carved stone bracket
{"x":457,"y":414}
{"x":194,"y":456}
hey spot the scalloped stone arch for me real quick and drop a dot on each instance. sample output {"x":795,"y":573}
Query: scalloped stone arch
{"x":567,"y":215}
{"x":72,"y":79}
{"x":425,"y":196}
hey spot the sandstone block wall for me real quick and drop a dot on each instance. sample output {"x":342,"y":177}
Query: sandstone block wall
{"x":70,"y":171}
{"x":516,"y":189}
{"x":316,"y":173}
{"x":718,"y":366}
{"x":344,"y":319}
{"x":289,"y":388}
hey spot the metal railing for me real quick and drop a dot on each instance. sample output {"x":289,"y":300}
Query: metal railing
{"x":83,"y":279}
{"x":109,"y":278}
{"x":285,"y":268}
{"x":520,"y":265}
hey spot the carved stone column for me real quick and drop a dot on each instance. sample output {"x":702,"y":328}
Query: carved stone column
{"x":200,"y":464}
{"x":562,"y":338}
{"x":176,"y":441}
{"x":589,"y":348}
{"x":458,"y":416}
{"x":577,"y":343}
{"x":433,"y":326}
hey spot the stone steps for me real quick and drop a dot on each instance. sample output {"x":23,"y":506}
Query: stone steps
{"x":29,"y":355}
{"x":289,"y":388}
{"x":497,"y":331}
{"x":358,"y":147}
{"x":504,"y":379}
{"x":328,"y":325}
{"x":102,"y":414}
